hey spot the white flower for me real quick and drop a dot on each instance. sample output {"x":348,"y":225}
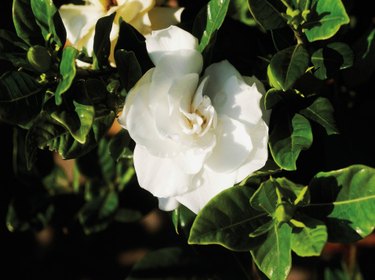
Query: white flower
{"x":80,"y":20}
{"x":195,"y":136}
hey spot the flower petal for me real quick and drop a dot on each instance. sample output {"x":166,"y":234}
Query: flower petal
{"x":169,"y":40}
{"x":168,"y":203}
{"x":231,"y":95}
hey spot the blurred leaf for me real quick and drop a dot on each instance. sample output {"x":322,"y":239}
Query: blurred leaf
{"x":287,"y":66}
{"x":21,"y":98}
{"x":67,"y":71}
{"x":25,"y":24}
{"x":128,"y":67}
{"x":309,"y":240}
{"x":48,"y":19}
{"x":97,"y":213}
{"x":216,"y":12}
{"x":239,"y":10}
{"x":128,"y":215}
{"x":290,"y":135}
{"x":57,"y":182}
{"x":325,"y":19}
{"x":102,"y":42}
{"x":267,"y":13}
{"x":227,"y":220}
{"x":330,"y":59}
{"x":273,"y":256}
{"x":347,"y":198}
{"x":321,"y":111}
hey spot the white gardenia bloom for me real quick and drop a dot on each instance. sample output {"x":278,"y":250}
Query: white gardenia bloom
{"x":195,"y":136}
{"x":143,"y":15}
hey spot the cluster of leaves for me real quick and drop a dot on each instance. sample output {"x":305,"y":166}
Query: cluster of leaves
{"x":55,"y":105}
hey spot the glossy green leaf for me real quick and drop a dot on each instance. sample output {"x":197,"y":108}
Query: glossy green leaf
{"x":216,"y":12}
{"x":325,"y":19}
{"x":67,"y":71}
{"x":309,"y":240}
{"x":330,"y":59}
{"x":321,"y":111}
{"x":239,"y":10}
{"x":288,"y":138}
{"x":102,"y":42}
{"x":347,"y":198}
{"x":183,"y":218}
{"x":287,"y":66}
{"x":21,"y":98}
{"x":273,"y":256}
{"x":129,"y":69}
{"x":265,"y":198}
{"x":48,"y":19}
{"x":227,"y":220}
{"x":97,"y":213}
{"x":24,"y":22}
{"x":267,"y":13}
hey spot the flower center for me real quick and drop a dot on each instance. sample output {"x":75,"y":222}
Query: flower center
{"x":201,"y":118}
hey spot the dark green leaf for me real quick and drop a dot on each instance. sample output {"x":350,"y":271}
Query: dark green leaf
{"x":287,"y":66}
{"x":119,"y":146}
{"x":67,"y":71}
{"x":57,"y":182}
{"x":347,"y":198}
{"x":183,"y":219}
{"x":48,"y":19}
{"x":128,"y":67}
{"x":288,"y":138}
{"x":128,"y":215}
{"x":21,"y":98}
{"x":267,"y":13}
{"x":321,"y":111}
{"x":325,"y":19}
{"x":330,"y":59}
{"x":102,"y":42}
{"x":273,"y":256}
{"x":13,"y":49}
{"x":309,"y":240}
{"x":216,"y":12}
{"x":25,"y":24}
{"x":272,"y":98}
{"x":227,"y":220}
{"x":265,"y":198}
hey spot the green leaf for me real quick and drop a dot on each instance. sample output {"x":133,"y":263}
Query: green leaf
{"x":265,"y":198}
{"x":129,"y":69}
{"x":21,"y":98}
{"x":239,"y":10}
{"x":119,"y":146}
{"x":263,"y":229}
{"x":102,"y":42}
{"x":25,"y":24}
{"x":267,"y":13}
{"x":273,"y":256}
{"x":272,"y":98}
{"x":183,"y":218}
{"x":48,"y":19}
{"x":97,"y":213}
{"x":216,"y":12}
{"x":309,"y":240}
{"x":330,"y":59}
{"x":287,"y":66}
{"x":57,"y":182}
{"x":13,"y":49}
{"x":227,"y":220}
{"x":325,"y":19}
{"x":67,"y":71}
{"x":288,"y":138}
{"x":346,"y":197}
{"x":321,"y":111}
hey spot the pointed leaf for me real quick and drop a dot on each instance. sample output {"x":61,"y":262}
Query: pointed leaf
{"x":347,"y":198}
{"x":309,"y":240}
{"x":287,"y":66}
{"x":67,"y":71}
{"x":267,"y":13}
{"x":273,"y":256}
{"x":326,"y":18}
{"x":227,"y":220}
{"x":288,"y":138}
{"x":330,"y":59}
{"x":102,"y":42}
{"x":321,"y":111}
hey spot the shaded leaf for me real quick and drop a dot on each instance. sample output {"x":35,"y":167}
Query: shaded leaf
{"x":289,"y":137}
{"x":128,"y":67}
{"x":227,"y":220}
{"x":267,"y":13}
{"x":102,"y":42}
{"x":287,"y":66}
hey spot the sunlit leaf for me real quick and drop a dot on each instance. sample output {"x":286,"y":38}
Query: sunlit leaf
{"x":227,"y":220}
{"x":287,"y":66}
{"x":325,"y":19}
{"x":289,"y":137}
{"x":321,"y":111}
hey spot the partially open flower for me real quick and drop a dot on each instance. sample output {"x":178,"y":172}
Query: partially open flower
{"x":195,"y":136}
{"x":143,"y":15}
